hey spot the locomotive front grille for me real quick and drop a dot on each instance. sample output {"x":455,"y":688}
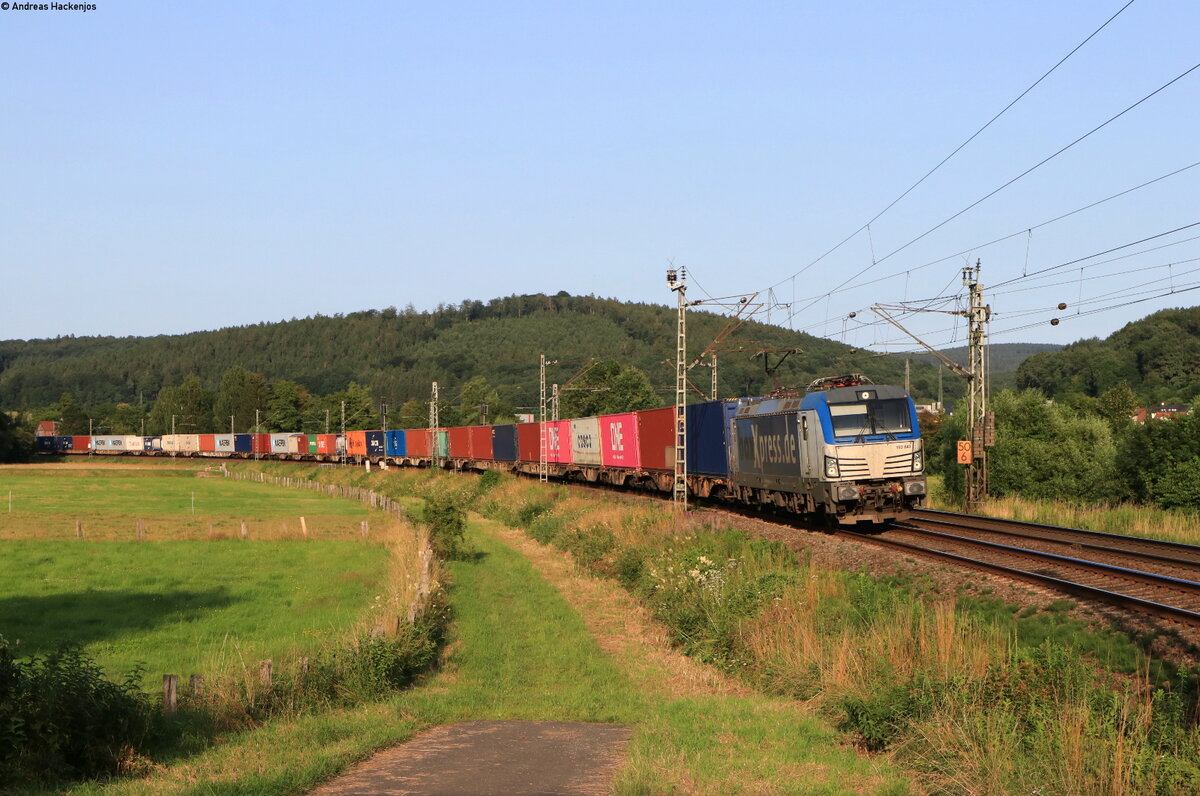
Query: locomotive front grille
{"x":854,"y":468}
{"x":898,"y":464}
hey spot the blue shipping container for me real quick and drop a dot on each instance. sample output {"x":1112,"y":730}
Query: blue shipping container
{"x":504,"y":443}
{"x":395,"y":442}
{"x":708,"y":429}
{"x":243,"y":443}
{"x":63,"y":443}
{"x":376,"y":445}
{"x":152,"y":443}
{"x":44,"y":444}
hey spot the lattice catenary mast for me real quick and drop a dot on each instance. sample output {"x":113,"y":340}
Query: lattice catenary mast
{"x":677,"y":282}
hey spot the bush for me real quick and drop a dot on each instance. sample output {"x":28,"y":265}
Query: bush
{"x":447,"y":522}
{"x":60,"y":717}
{"x":488,"y":480}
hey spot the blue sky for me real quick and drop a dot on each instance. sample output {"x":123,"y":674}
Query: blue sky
{"x":169,"y":167}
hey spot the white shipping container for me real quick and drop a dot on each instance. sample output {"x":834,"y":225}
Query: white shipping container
{"x":585,"y":440}
{"x":108,"y":443}
{"x":279,"y":443}
{"x":189,"y":443}
{"x":135,"y":443}
{"x":223,"y":443}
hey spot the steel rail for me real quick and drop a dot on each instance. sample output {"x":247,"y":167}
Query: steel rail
{"x":1070,"y":587}
{"x":938,"y":515}
{"x":963,"y":521}
{"x":1148,"y":578}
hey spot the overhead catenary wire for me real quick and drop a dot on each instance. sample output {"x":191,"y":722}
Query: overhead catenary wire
{"x":997,"y":190}
{"x":957,"y":149}
{"x":1024,"y":230}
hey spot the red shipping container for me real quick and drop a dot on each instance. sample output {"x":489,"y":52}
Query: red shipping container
{"x":208,"y":443}
{"x":82,"y":443}
{"x":528,"y":442}
{"x":356,"y":443}
{"x":656,"y":438}
{"x":327,"y":444}
{"x":261,"y":443}
{"x":416,"y":441}
{"x":619,"y":440}
{"x":460,"y":442}
{"x":481,"y":443}
{"x":558,"y":442}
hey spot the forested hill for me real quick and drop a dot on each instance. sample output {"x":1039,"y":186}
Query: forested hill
{"x":396,"y":354}
{"x":1003,"y":360}
{"x":1158,"y":356}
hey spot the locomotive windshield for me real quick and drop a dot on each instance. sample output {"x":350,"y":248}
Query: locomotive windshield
{"x":865,"y":418}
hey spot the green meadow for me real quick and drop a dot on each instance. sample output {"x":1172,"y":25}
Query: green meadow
{"x":194,"y":597}
{"x":172,"y":502}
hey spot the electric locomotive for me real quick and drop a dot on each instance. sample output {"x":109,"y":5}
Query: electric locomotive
{"x":847,"y":449}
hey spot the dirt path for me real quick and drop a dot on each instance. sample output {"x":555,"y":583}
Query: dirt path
{"x":514,"y":758}
{"x":499,"y":758}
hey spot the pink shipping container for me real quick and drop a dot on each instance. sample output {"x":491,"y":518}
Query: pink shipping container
{"x":585,"y":440}
{"x":619,"y":440}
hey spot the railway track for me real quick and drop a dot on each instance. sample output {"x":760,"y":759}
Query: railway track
{"x":1145,"y":575}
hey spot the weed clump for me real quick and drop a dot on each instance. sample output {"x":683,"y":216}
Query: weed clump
{"x":60,"y":716}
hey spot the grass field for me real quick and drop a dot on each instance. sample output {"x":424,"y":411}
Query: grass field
{"x":194,"y":597}
{"x":519,"y":651}
{"x":184,"y":607}
{"x":174,"y":502}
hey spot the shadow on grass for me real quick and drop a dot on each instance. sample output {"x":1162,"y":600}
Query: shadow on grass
{"x":36,"y":625}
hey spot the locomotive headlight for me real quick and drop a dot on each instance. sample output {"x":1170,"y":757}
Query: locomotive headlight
{"x":918,"y":461}
{"x":831,"y":467}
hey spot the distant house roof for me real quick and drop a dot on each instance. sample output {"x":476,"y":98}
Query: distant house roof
{"x":47,"y":428}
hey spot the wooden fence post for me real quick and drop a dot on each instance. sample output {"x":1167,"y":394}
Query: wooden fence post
{"x":170,"y":695}
{"x":196,"y":685}
{"x":245,"y":530}
{"x":141,"y":530}
{"x":78,"y":529}
{"x":264,"y":673}
{"x":304,"y":527}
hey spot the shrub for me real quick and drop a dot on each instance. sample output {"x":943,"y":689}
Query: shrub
{"x":447,"y":522}
{"x":60,"y":717}
{"x":488,"y":480}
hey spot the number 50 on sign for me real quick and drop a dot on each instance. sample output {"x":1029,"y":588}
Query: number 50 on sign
{"x":964,"y":451}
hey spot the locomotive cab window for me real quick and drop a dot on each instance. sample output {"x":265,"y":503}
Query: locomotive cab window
{"x":887,"y":416}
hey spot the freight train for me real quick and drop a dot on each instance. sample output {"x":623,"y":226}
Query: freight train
{"x":846,"y":450}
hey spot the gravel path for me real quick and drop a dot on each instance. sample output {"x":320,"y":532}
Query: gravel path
{"x":497,"y":758}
